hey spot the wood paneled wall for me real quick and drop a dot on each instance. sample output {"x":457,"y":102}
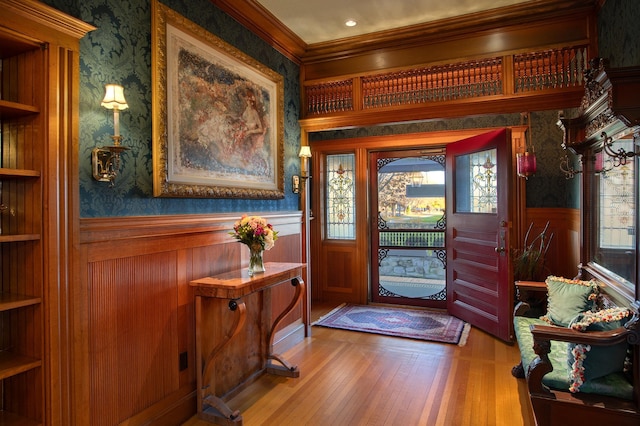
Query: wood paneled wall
{"x":563,"y":256}
{"x":135,"y":310}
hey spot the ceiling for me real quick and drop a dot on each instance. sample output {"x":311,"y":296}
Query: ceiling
{"x":317,"y":21}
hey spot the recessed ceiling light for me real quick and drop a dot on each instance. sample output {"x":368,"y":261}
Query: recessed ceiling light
{"x":350,"y":23}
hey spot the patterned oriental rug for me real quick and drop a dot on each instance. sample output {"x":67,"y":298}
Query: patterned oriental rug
{"x":399,"y":322}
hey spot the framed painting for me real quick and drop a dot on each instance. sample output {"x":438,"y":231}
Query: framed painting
{"x":218,"y":116}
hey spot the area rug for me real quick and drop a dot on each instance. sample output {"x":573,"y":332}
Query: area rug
{"x":400,"y":322}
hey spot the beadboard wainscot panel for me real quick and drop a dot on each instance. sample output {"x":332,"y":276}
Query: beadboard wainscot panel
{"x":563,"y":256}
{"x":134,"y":322}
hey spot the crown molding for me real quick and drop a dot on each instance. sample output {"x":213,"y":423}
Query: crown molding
{"x":260,"y":21}
{"x":256,"y":18}
{"x":48,"y":16}
{"x":529,"y":13}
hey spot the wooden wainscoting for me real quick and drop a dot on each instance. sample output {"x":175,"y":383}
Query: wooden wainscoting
{"x":564,"y":252}
{"x":134,"y":310}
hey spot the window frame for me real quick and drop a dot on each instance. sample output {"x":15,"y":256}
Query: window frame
{"x":608,"y":109}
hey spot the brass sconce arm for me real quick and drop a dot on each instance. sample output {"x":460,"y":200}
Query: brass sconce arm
{"x":567,"y":169}
{"x":620,"y":157}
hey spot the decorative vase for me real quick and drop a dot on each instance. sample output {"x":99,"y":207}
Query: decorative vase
{"x":256,"y":265}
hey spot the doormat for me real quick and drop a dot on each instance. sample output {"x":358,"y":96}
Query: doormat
{"x":399,"y":322}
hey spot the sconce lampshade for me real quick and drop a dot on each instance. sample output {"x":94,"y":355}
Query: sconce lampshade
{"x":526,"y":164}
{"x":114,"y":97}
{"x":305,"y":152}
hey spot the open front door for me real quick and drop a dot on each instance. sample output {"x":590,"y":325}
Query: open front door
{"x":479,"y":209}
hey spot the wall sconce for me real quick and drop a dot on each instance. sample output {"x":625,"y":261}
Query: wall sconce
{"x":526,"y":161}
{"x":106,"y":160}
{"x":305,"y":154}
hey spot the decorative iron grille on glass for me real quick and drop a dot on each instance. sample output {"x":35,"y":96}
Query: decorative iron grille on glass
{"x":411,"y":227}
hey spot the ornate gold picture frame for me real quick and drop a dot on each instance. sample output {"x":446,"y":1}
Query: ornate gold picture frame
{"x":218,"y":116}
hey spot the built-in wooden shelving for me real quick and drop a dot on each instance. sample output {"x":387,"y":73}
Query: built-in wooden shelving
{"x":17,"y":173}
{"x":39,"y":83}
{"x":21,"y":254}
{"x":13,"y":301}
{"x":10,"y":109}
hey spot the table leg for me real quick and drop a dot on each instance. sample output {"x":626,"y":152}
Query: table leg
{"x":211,"y":407}
{"x":284,"y":369}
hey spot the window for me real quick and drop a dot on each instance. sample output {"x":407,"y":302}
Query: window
{"x":614,"y":196}
{"x":477,"y":190}
{"x":340,"y":197}
{"x":602,"y":135}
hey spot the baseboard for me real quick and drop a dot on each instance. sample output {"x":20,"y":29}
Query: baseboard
{"x":176,"y":409}
{"x":288,"y":337}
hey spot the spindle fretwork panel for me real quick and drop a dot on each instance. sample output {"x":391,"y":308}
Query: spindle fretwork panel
{"x":476,"y":79}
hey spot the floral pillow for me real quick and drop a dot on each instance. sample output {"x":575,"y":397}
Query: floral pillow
{"x":602,"y":320}
{"x":567,"y":298}
{"x":588,"y":362}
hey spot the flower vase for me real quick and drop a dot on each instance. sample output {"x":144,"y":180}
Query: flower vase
{"x":256,"y":265}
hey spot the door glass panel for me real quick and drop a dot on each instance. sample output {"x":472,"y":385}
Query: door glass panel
{"x":476,"y":183}
{"x":614,"y":239}
{"x":411,"y":229}
{"x":340,"y":193}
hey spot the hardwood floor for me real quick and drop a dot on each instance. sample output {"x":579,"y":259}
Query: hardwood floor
{"x":351,"y":378}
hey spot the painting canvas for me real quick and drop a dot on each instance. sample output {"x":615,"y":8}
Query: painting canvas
{"x":219,"y":127}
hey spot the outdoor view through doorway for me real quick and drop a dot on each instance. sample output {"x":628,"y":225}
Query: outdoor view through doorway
{"x":408,"y":237}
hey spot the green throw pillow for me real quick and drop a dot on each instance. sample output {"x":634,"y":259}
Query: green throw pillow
{"x":567,"y":298}
{"x":588,"y":362}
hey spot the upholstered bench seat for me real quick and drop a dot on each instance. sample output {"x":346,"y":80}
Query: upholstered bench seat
{"x":614,"y":385}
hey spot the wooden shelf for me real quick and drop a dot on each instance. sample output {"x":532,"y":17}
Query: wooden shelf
{"x":18,"y":173}
{"x":12,"y":364}
{"x":10,"y":301}
{"x":10,"y":419}
{"x":18,"y":238}
{"x":10,"y":109}
{"x":13,"y":43}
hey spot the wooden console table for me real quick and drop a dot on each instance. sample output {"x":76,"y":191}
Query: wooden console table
{"x":231,"y":354}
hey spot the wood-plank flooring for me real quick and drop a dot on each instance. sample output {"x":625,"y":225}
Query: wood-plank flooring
{"x":351,"y":378}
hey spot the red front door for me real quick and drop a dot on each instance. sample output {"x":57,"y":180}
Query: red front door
{"x":479,"y":209}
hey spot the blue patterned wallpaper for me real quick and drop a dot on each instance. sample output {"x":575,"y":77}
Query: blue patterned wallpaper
{"x":119,"y":51}
{"x":619,"y":33}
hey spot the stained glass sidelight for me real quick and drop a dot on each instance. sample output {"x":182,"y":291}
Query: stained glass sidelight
{"x":340,"y":197}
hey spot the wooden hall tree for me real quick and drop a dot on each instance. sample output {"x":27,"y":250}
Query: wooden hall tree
{"x":39,"y":54}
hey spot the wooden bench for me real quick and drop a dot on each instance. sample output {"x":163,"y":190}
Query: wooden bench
{"x":543,"y":347}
